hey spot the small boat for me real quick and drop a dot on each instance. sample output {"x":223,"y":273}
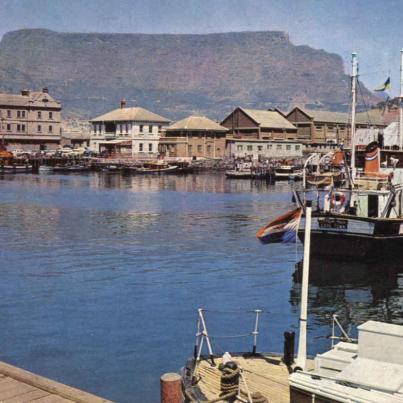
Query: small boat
{"x":156,"y":168}
{"x":286,"y":172}
{"x":241,"y":174}
{"x":70,"y":168}
{"x":45,"y":169}
{"x":14,"y":169}
{"x":111,"y":169}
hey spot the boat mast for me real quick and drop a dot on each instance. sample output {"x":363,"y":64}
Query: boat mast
{"x":302,"y":340}
{"x":354,"y":76}
{"x":400,"y":102}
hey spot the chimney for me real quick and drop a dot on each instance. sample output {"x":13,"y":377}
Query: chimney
{"x":25,"y":93}
{"x":122,"y":104}
{"x":45,"y":90}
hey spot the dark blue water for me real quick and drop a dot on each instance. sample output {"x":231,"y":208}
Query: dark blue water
{"x":101,"y":277}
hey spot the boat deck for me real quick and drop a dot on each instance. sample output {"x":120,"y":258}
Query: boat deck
{"x":20,"y":386}
{"x":263,"y":373}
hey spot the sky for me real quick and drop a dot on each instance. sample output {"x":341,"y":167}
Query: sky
{"x":372,"y":28}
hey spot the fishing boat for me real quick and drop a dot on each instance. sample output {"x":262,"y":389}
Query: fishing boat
{"x":159,"y":167}
{"x":362,"y":220}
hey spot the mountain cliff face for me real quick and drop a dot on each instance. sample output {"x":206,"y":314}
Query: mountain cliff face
{"x":174,"y":75}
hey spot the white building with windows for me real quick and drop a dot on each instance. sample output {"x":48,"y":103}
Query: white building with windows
{"x":263,"y":149}
{"x":134,"y":131}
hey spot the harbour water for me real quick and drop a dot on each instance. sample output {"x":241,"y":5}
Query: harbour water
{"x":102,"y":274}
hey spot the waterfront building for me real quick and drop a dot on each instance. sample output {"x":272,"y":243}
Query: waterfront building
{"x":130,"y":130}
{"x":258,"y":134}
{"x":325,"y":130}
{"x":259,"y":124}
{"x":263,"y":149}
{"x":194,"y":137}
{"x":30,"y":120}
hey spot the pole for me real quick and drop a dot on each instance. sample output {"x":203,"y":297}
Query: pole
{"x":354,"y":75}
{"x":302,"y":341}
{"x":400,"y":102}
{"x":256,"y":330}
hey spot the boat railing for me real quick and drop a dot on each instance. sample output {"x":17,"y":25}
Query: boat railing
{"x":342,"y":334}
{"x":204,"y":337}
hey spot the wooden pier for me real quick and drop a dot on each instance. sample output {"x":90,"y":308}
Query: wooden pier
{"x":20,"y":386}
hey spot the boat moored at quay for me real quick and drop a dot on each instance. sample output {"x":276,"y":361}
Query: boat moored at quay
{"x":366,"y":369}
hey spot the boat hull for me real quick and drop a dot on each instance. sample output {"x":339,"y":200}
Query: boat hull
{"x":344,"y":237}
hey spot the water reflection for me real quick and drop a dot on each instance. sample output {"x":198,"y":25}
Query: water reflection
{"x":357,"y":292}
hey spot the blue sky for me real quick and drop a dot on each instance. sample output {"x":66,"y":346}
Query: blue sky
{"x":373,"y":28}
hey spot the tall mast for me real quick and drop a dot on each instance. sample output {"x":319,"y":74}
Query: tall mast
{"x":400,"y":102}
{"x":302,"y":341}
{"x":354,"y":75}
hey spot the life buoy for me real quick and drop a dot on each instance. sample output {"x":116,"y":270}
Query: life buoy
{"x":337,"y":200}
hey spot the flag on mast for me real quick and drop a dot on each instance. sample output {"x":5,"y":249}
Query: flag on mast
{"x":386,"y":86}
{"x":282,"y":229}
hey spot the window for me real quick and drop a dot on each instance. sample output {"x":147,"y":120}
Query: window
{"x":239,"y":147}
{"x":50,"y":129}
{"x":18,"y":128}
{"x":269,"y":146}
{"x":120,"y":129}
{"x":141,"y":146}
{"x":39,"y":115}
{"x":95,"y":129}
{"x":9,"y":114}
{"x":141,"y":128}
{"x":39,"y":128}
{"x":297,"y":147}
{"x":23,"y":114}
{"x":250,"y":148}
{"x":50,"y":115}
{"x":279,"y":147}
{"x":209,"y":149}
{"x":190,"y":149}
{"x":150,"y":147}
{"x":18,"y":114}
{"x":288,"y":147}
{"x":8,"y":127}
{"x":199,"y":149}
{"x":260,"y":148}
{"x":150,"y":129}
{"x":127,"y":128}
{"x":23,"y":128}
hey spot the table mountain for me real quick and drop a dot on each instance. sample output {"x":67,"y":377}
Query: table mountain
{"x":174,"y":75}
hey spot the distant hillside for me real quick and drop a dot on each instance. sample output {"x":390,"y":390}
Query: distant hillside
{"x":173,"y":75}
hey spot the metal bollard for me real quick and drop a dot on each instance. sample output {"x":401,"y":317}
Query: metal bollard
{"x":171,"y":388}
{"x":289,"y":340}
